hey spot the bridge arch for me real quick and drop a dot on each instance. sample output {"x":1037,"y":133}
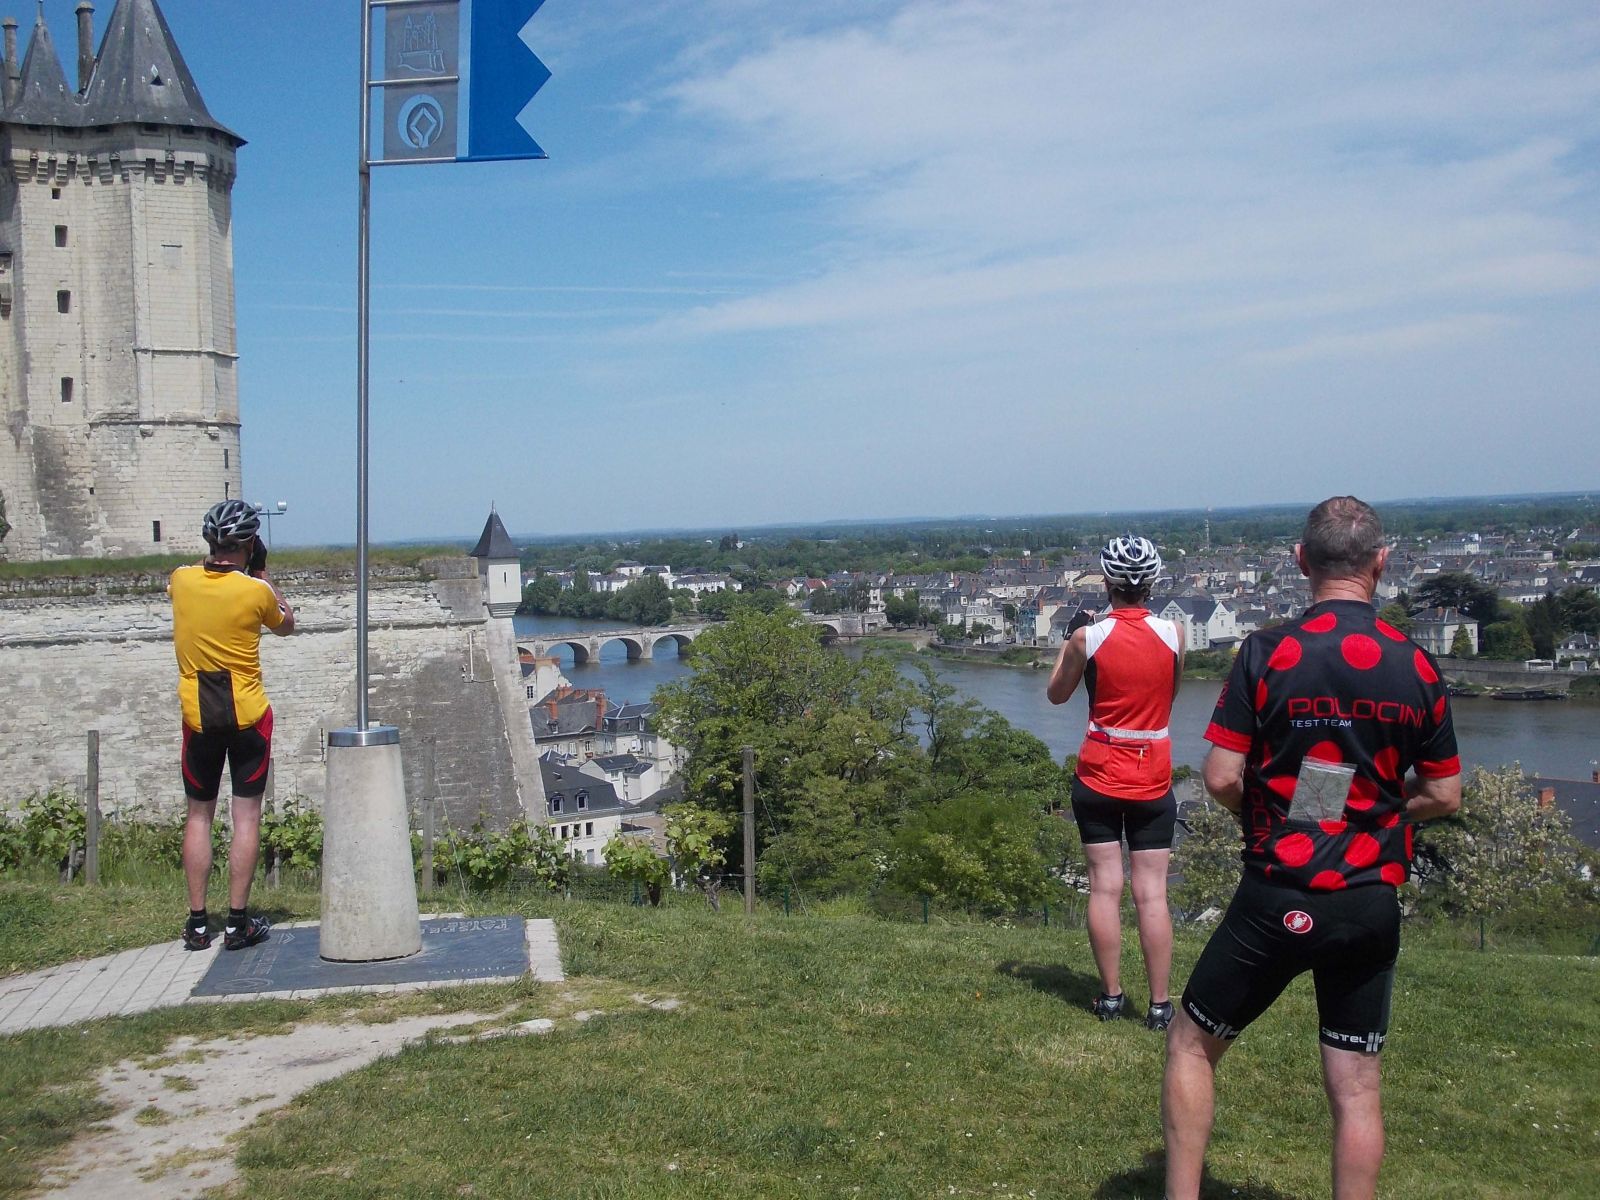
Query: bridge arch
{"x":682,"y":640}
{"x":581,"y":649}
{"x":637,"y":647}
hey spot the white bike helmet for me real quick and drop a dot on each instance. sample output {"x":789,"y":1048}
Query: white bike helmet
{"x":230,"y":524}
{"x":1130,"y":562}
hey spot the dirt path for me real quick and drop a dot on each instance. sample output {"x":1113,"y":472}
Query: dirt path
{"x":168,"y":1139}
{"x":176,"y":1113}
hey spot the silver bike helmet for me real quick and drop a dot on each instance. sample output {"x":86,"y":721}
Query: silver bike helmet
{"x":230,"y":524}
{"x":1130,"y":562}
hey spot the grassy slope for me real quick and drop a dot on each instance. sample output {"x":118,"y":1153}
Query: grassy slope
{"x":819,"y":1056}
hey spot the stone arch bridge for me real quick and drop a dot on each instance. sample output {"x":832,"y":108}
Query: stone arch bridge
{"x":642,"y":643}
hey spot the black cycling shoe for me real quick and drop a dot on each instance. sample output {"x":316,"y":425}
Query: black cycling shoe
{"x":1109,"y":1008}
{"x":196,"y":939}
{"x":255,"y":929}
{"x":1158,"y":1016}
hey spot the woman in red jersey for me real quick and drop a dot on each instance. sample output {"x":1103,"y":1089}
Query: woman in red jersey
{"x":1130,"y":662}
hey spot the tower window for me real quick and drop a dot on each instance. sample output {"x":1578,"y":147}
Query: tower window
{"x":61,"y":235}
{"x":155,"y":531}
{"x":66,"y":389}
{"x":63,"y":302}
{"x":55,"y":193}
{"x":227,"y":489}
{"x":225,"y":455}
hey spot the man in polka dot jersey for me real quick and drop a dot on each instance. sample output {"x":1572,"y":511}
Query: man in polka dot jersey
{"x":1330,"y":739}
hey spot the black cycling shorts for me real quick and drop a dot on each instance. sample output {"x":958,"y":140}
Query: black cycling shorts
{"x":247,"y":751}
{"x":1147,"y":824}
{"x":1348,"y":941}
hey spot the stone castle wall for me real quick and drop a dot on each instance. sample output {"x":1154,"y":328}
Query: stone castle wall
{"x":103,"y":662}
{"x":122,"y":412}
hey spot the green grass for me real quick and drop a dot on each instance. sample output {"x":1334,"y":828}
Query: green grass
{"x":847,"y":1056}
{"x":43,"y":923}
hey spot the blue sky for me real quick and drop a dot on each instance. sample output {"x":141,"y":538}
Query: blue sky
{"x":879,"y":258}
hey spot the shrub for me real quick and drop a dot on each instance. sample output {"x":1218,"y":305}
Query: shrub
{"x":53,"y":826}
{"x":291,"y":835}
{"x":488,"y":859}
{"x":634,"y":859}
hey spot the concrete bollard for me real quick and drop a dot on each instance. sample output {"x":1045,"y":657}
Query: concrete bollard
{"x":369,"y":890}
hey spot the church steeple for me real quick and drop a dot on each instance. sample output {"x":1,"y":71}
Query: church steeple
{"x":140,"y":76}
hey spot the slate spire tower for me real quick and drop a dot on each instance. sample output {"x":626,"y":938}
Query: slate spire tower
{"x":118,"y":361}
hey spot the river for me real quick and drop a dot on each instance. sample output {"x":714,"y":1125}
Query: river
{"x":1556,"y":739}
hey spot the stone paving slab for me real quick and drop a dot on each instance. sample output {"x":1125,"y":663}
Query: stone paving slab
{"x":164,"y":976}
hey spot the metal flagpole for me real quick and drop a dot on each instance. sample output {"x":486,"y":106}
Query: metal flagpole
{"x":363,"y":300}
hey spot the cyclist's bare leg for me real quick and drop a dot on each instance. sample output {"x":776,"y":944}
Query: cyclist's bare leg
{"x":1105,"y":912}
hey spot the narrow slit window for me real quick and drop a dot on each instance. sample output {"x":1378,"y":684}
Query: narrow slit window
{"x":55,"y":193}
{"x":61,"y":235}
{"x":66,"y":389}
{"x":155,"y":531}
{"x":63,"y":302}
{"x":225,"y":457}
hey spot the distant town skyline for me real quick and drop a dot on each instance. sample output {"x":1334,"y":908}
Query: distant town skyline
{"x":852,"y":261}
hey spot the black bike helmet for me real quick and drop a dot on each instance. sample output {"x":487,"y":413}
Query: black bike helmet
{"x":230,"y":524}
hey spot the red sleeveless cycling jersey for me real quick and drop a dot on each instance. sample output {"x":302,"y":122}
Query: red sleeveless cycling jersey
{"x":1127,"y":751}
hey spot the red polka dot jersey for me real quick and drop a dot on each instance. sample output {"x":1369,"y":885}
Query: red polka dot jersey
{"x":1338,"y":686}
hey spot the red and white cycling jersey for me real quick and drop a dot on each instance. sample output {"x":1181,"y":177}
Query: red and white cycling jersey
{"x":1132,"y":668}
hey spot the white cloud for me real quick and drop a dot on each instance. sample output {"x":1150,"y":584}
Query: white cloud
{"x":1397,"y":339}
{"x":1282,"y":164}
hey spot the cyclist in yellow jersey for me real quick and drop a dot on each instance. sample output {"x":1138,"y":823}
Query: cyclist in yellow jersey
{"x":219,"y":608}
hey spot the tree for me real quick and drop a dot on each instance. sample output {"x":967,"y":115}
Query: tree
{"x":978,"y":850}
{"x":765,"y":680}
{"x":1008,"y":612}
{"x":980,"y":631}
{"x":1461,"y":644}
{"x":634,"y":858}
{"x":1580,"y":609}
{"x":824,"y":602}
{"x":682,"y":602}
{"x":903,"y":610}
{"x":694,"y":837}
{"x":1503,"y":848}
{"x":645,"y":601}
{"x":581,"y":600}
{"x":1507,"y":637}
{"x":1207,"y":858}
{"x":1546,"y":624}
{"x":542,"y":595}
{"x":1397,"y":615}
{"x":953,"y":631}
{"x":1458,"y":590}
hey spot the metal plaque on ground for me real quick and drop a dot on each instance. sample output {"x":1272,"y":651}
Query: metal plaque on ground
{"x":453,"y":949}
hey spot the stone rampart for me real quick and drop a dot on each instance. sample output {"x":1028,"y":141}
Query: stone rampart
{"x":1506,"y":676}
{"x":72,"y":664}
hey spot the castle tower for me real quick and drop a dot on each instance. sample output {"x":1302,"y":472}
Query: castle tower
{"x":118,"y":362}
{"x":500,"y":567}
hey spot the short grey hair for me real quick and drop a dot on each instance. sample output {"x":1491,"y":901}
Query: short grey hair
{"x":1341,"y":536}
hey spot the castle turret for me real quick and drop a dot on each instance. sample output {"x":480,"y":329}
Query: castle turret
{"x":118,"y":379}
{"x":500,"y":567}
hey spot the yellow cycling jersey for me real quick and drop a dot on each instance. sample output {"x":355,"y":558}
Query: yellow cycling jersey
{"x":217,"y":617}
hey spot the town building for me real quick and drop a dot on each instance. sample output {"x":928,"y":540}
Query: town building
{"x":584,"y":811}
{"x":1434,"y":629}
